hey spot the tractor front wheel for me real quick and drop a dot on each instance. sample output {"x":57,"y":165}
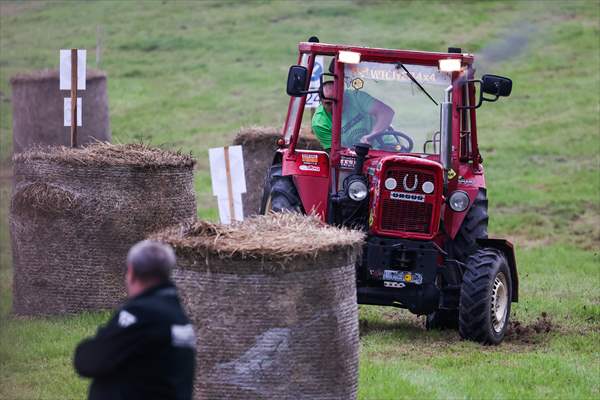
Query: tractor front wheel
{"x":485,"y":297}
{"x":280,"y":193}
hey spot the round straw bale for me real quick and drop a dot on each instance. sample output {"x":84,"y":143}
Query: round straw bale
{"x":273,"y":302}
{"x":37,"y":105}
{"x":258,"y":146}
{"x":75,"y":213}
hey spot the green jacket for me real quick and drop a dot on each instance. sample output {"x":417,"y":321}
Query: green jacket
{"x":356,"y":120}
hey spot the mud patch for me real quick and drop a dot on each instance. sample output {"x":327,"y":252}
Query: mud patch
{"x":532,"y":333}
{"x":10,"y":9}
{"x":565,"y":224}
{"x":586,"y":230}
{"x":412,"y":328}
{"x":525,"y":241}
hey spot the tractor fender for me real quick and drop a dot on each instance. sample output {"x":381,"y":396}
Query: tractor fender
{"x":277,"y":157}
{"x":469,"y":181}
{"x":508,"y":250}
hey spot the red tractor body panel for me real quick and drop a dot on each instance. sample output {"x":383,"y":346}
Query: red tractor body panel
{"x":310,"y":171}
{"x":469,"y":182}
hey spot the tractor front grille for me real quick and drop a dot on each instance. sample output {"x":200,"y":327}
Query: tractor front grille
{"x":406,"y":216}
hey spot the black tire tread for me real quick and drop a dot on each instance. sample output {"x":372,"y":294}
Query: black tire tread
{"x":282,"y":191}
{"x":475,"y":294}
{"x":474,"y":227}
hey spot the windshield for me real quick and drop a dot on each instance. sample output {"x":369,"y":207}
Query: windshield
{"x":384,"y":107}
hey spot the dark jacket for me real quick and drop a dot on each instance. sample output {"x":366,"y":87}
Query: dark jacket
{"x":146,"y":351}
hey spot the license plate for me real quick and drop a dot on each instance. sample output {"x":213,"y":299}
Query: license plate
{"x":402,"y":276}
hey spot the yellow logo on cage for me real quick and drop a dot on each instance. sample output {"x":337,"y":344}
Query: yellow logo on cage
{"x":358,"y":83}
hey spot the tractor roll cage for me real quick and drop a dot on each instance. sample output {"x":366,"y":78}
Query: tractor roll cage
{"x":309,"y":50}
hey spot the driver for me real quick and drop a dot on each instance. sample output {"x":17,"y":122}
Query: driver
{"x":364,"y":117}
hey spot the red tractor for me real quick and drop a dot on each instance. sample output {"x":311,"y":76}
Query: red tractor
{"x":417,"y":187}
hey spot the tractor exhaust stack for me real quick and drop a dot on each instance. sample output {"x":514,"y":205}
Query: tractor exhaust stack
{"x":446,"y":133}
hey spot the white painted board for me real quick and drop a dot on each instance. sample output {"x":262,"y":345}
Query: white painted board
{"x":238,"y":208}
{"x":65,"y":69}
{"x":313,"y":99}
{"x":67,"y":111}
{"x":218,"y":173}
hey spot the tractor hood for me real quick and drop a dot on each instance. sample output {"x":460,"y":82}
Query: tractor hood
{"x":405,"y":197}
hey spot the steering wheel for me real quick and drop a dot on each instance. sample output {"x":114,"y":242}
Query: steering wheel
{"x":401,"y":141}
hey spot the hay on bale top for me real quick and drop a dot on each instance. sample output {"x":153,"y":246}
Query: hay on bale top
{"x":106,"y":154}
{"x":274,"y":237}
{"x":51,"y":74}
{"x":255,"y":133}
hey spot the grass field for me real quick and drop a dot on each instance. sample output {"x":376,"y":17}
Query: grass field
{"x":188,"y":75}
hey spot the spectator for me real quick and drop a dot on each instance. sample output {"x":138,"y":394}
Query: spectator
{"x":147,"y":349}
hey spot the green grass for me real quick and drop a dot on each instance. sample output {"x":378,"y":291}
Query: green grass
{"x":188,"y":75}
{"x":399,"y":360}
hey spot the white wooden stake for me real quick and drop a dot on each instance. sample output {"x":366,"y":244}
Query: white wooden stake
{"x":228,"y":181}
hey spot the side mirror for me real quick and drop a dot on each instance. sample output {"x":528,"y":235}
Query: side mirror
{"x":496,"y":85}
{"x":297,"y":79}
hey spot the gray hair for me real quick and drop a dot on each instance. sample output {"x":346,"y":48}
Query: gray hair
{"x":151,"y":260}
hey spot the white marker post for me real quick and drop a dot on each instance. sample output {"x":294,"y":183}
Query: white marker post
{"x":73,"y":77}
{"x":228,"y":181}
{"x":68,"y":109}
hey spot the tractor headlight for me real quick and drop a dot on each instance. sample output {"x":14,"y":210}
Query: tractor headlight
{"x":458,"y":201}
{"x":357,"y":190}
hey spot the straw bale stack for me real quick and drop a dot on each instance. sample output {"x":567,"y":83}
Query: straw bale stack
{"x":75,"y":213}
{"x":273,"y":301}
{"x":259,"y":145}
{"x":37,"y":105}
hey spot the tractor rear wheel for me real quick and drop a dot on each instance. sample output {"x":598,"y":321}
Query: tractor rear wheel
{"x":485,"y":297}
{"x":473,"y":227}
{"x":280,"y":193}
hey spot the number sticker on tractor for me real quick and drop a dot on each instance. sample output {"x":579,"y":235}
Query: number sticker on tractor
{"x":390,"y":275}
{"x":347,"y":162}
{"x":394,"y":284}
{"x":402,"y":276}
{"x":310,"y":158}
